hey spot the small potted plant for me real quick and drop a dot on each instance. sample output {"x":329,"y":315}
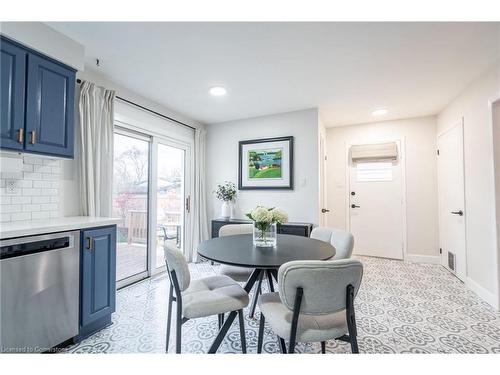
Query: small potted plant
{"x":264,"y":225}
{"x":226,"y":193}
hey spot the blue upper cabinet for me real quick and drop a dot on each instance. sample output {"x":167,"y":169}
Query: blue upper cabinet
{"x":38,"y":102}
{"x":50,"y":101}
{"x":13,"y":67}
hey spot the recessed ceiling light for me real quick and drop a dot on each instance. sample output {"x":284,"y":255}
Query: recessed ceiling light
{"x":217,"y":91}
{"x":379,"y":112}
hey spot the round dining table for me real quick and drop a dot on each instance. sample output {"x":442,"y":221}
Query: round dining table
{"x":238,"y":250}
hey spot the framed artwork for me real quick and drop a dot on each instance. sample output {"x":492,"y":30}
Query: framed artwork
{"x":266,"y":164}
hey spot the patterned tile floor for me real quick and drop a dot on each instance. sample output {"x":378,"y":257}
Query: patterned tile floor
{"x":401,"y":308}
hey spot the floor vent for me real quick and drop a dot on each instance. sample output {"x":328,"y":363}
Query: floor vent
{"x":451,"y":261}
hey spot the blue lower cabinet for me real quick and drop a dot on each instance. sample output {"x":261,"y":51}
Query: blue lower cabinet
{"x":98,"y":279}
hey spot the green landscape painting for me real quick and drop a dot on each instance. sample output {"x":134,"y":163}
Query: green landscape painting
{"x":264,"y":164}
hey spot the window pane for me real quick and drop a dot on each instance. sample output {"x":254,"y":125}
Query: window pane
{"x":130,"y":203}
{"x":379,"y":171}
{"x":170,"y":200}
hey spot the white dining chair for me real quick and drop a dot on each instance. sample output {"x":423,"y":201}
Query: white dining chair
{"x":240,"y":274}
{"x":315,"y":303}
{"x":214,"y":295}
{"x":340,"y":239}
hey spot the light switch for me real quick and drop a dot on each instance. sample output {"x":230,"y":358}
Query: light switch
{"x":303,"y":182}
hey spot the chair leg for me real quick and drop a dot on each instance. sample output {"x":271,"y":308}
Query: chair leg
{"x":323,"y":347}
{"x":354,"y":343}
{"x":220,"y":319}
{"x":242,"y":332}
{"x":169,"y":317}
{"x":282,"y":345}
{"x":261,"y":333}
{"x":256,"y":295}
{"x":178,"y":330}
{"x":351,"y":319}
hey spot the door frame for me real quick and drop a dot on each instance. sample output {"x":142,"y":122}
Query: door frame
{"x":401,"y":142}
{"x":442,"y":261}
{"x":492,"y":102}
{"x":119,"y":128}
{"x":323,"y":217}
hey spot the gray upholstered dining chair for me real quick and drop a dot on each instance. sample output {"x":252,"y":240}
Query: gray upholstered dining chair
{"x":340,"y":239}
{"x":315,"y":303}
{"x":214,"y":295}
{"x":240,"y":274}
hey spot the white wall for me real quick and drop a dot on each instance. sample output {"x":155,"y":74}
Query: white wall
{"x":482,"y":252}
{"x":222,"y":163}
{"x":419,"y":136}
{"x":46,"y":40}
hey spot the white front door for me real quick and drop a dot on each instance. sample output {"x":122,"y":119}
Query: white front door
{"x":376,"y":208}
{"x":452,"y":200}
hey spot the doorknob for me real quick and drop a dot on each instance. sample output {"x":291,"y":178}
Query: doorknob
{"x":459,"y":213}
{"x":354,"y":206}
{"x":324,"y":210}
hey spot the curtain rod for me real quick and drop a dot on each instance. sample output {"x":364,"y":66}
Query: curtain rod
{"x":79,"y":81}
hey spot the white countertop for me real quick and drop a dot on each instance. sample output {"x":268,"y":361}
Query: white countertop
{"x":60,"y":224}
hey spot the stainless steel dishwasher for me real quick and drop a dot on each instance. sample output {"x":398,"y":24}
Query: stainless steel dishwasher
{"x":39,"y":291}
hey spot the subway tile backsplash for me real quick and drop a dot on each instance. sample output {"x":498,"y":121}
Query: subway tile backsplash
{"x":36,"y":190}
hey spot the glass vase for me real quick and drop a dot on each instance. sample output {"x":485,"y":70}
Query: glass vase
{"x":264,"y":234}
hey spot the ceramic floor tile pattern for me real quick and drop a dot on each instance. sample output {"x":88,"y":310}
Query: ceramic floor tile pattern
{"x":401,"y":308}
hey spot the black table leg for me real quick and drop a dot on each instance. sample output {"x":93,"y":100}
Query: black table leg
{"x":270,"y":281}
{"x":232,"y":315}
{"x":256,"y":295}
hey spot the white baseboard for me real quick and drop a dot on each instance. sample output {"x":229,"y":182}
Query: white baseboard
{"x":433,"y":259}
{"x":485,"y":294}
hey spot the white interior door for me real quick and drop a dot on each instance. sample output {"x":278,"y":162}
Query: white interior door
{"x":376,"y":208}
{"x":452,"y":200}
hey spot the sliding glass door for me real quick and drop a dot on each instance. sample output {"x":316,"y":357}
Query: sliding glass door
{"x":151,"y":195}
{"x":171,"y":202}
{"x":130,"y":203}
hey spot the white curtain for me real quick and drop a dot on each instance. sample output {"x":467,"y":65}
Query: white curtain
{"x":199,"y":202}
{"x":95,"y":149}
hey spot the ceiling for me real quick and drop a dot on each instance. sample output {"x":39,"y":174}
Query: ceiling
{"x":347,"y":70}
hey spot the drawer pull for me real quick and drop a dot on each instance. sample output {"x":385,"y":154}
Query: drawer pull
{"x":90,"y":243}
{"x":20,"y":135}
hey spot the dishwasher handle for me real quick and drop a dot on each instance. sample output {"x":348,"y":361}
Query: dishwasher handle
{"x":23,"y":246}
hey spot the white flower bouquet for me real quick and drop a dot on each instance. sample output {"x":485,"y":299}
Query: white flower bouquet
{"x":265,"y":220}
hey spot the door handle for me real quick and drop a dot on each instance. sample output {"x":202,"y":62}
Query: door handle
{"x":354,"y":206}
{"x":33,"y":137}
{"x":325,"y":210}
{"x":459,"y":213}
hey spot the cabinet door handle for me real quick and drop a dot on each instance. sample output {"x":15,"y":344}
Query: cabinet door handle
{"x":90,"y":243}
{"x":33,"y":137}
{"x":20,"y":135}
